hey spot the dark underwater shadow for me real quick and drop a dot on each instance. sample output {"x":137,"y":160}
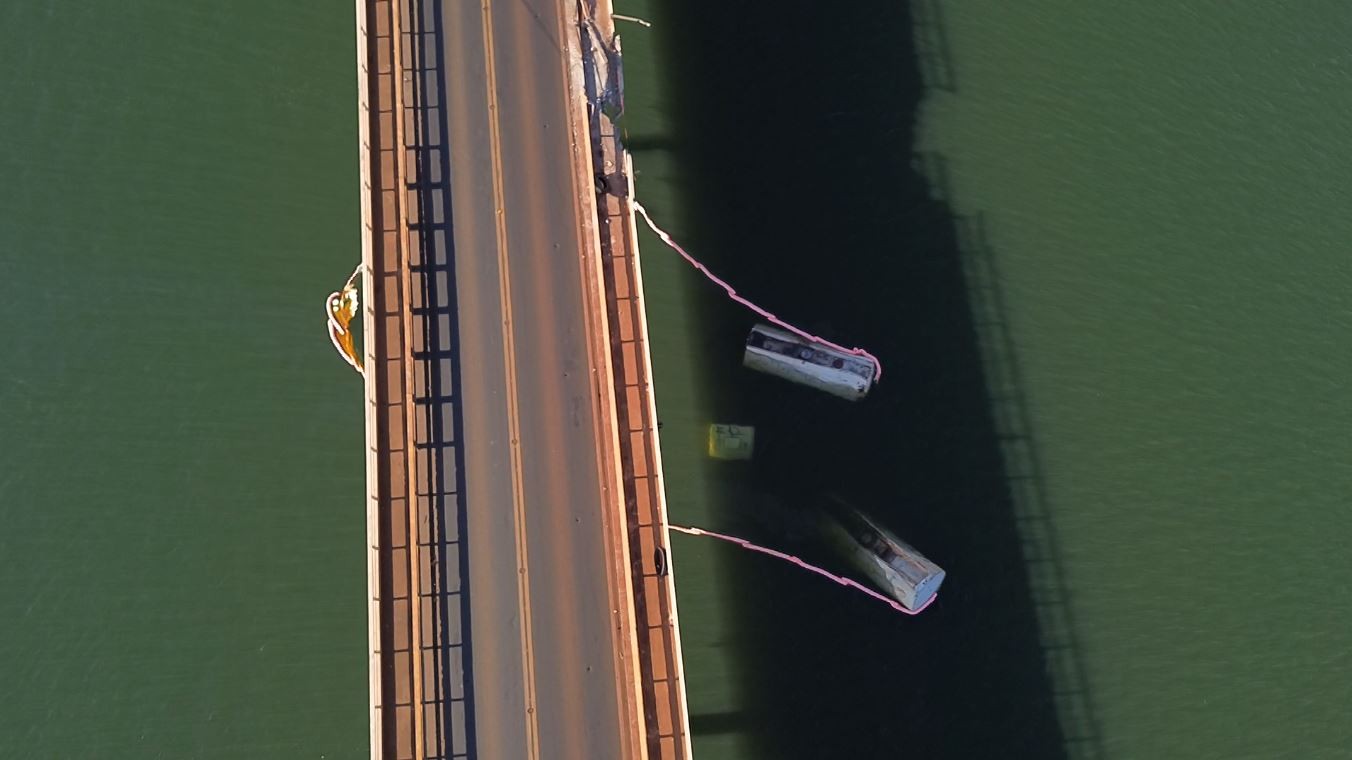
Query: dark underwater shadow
{"x":796,"y":123}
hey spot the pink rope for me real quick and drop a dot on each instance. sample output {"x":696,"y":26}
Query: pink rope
{"x":877,"y":365}
{"x":842,"y":580}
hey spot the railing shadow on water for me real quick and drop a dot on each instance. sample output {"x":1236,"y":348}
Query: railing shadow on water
{"x":1023,"y":468}
{"x":794,"y":134}
{"x":933,"y":51}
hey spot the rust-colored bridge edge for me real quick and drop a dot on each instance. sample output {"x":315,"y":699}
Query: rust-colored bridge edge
{"x":662,"y":672}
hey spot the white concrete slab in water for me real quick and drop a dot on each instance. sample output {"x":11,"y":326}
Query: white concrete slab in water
{"x":782,"y":354}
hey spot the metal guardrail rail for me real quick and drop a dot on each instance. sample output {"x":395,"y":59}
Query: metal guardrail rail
{"x":396,"y":674}
{"x":443,"y":560}
{"x":419,"y":668}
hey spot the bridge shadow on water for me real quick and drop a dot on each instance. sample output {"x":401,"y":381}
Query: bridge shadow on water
{"x":796,"y":125}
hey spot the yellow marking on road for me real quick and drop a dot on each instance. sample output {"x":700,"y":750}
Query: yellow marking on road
{"x":514,"y":425}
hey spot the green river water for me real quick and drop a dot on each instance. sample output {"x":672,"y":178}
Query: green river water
{"x":1166,"y":189}
{"x":1162,"y":187}
{"x":181,"y":530}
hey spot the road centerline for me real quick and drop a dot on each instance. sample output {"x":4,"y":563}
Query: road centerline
{"x":514,"y":444}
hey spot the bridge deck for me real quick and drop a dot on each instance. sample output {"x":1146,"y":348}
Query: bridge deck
{"x":493,"y":427}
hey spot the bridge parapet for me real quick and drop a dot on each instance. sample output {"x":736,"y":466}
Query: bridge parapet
{"x":658,"y":629}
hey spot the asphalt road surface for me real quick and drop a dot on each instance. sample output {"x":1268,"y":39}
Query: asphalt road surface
{"x":544,"y":633}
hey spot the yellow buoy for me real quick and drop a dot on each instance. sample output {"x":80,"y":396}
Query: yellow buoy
{"x":733,"y":442}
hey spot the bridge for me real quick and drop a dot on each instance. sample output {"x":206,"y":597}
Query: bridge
{"x":521,"y":599}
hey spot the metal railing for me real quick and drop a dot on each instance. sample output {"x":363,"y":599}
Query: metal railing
{"x":420,"y":685}
{"x":448,"y":688}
